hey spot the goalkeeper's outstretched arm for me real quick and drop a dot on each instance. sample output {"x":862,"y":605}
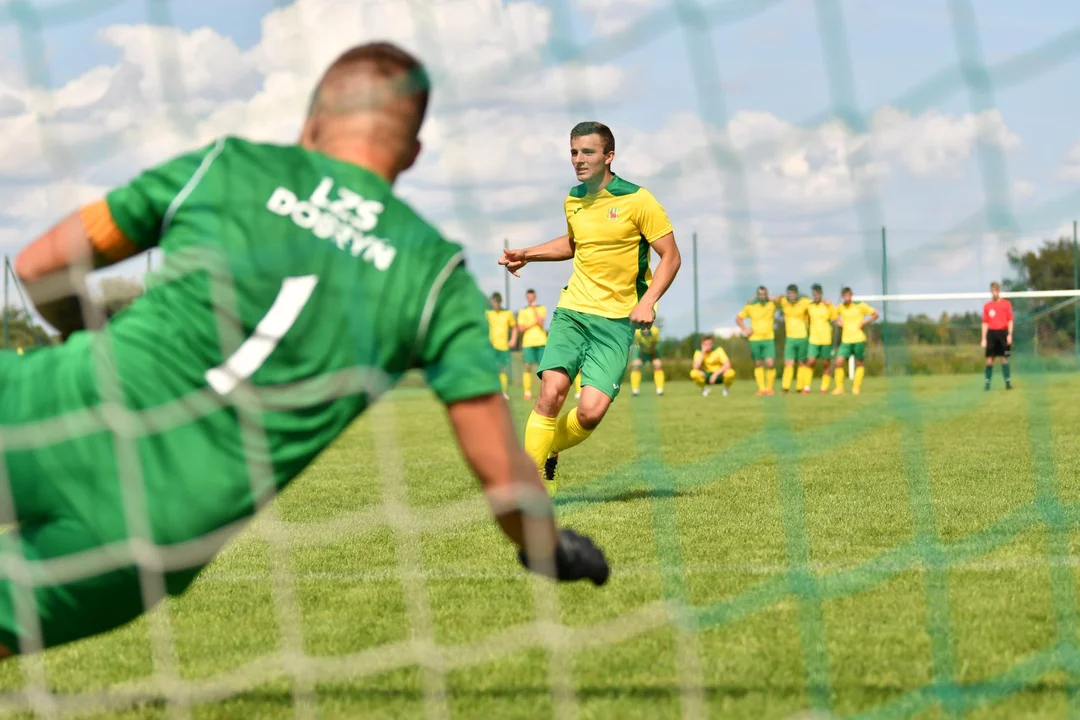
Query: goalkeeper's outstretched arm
{"x":53,"y":267}
{"x":486,"y":436}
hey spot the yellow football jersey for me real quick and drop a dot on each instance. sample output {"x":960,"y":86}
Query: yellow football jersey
{"x":647,"y":340}
{"x":851,"y":318}
{"x":534,"y":336}
{"x":795,"y":317}
{"x":713,"y":361}
{"x":762,"y":318}
{"x":612,"y":233}
{"x":499,"y":324}
{"x":821,"y":316}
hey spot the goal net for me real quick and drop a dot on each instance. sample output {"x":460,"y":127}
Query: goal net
{"x":905,"y":552}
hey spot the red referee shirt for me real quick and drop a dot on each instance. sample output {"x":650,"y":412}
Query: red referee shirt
{"x":997,"y":314}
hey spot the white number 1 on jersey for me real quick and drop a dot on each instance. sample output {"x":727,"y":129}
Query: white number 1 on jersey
{"x":249,"y":357}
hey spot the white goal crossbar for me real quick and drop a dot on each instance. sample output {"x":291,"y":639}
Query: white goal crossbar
{"x":967,"y":296}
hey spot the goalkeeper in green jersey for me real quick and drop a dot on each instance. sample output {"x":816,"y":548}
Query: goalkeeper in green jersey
{"x":296,"y":289}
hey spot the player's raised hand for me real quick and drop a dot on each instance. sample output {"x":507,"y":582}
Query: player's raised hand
{"x":576,"y":558}
{"x":642,"y":315}
{"x":513,"y":260}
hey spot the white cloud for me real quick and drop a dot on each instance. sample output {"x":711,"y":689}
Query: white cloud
{"x":933,"y":143}
{"x":1071,"y":168}
{"x":611,"y":17}
{"x":42,"y":202}
{"x":1022,"y":189}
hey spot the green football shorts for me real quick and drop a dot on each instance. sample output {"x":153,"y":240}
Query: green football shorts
{"x":858,"y":350}
{"x":502,"y":359}
{"x":818,"y":351}
{"x":645,"y":356}
{"x":596,"y":346}
{"x":796,"y":349}
{"x":762,"y":350}
{"x":532,"y":355}
{"x":70,"y":477}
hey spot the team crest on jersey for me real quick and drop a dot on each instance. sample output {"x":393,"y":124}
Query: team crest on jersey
{"x":613,"y":214}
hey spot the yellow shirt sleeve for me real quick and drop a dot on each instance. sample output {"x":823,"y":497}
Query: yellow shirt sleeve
{"x":745,"y":312}
{"x":650,"y":217}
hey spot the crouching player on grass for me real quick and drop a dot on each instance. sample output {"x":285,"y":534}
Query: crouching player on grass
{"x":296,"y":288}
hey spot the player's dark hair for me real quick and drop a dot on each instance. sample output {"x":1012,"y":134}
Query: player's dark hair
{"x":496,"y":296}
{"x":845,"y":290}
{"x":385,"y":60}
{"x":595,"y":128}
{"x":530,"y":290}
{"x":762,"y":287}
{"x":793,"y":288}
{"x":816,"y":287}
{"x":995,"y":285}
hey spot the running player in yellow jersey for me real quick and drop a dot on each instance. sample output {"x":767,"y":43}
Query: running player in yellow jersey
{"x":711,"y":365}
{"x":796,"y":338}
{"x":502,"y":333}
{"x":612,"y":227}
{"x":645,"y":348}
{"x":852,"y":317}
{"x":762,"y":314}
{"x":530,"y":326}
{"x":822,"y":313}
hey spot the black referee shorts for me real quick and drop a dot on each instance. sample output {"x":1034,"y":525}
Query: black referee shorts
{"x":997,"y":344}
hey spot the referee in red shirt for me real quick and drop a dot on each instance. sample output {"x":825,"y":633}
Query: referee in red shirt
{"x":997,"y":332}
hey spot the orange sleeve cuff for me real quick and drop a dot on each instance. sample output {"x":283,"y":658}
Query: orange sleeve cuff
{"x":106,"y":237}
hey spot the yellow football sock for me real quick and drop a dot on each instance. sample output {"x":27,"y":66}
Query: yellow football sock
{"x":635,"y":380}
{"x":568,"y":432}
{"x":789,"y":374}
{"x":759,"y":376}
{"x":857,"y":381}
{"x":839,"y":375}
{"x":770,"y":378}
{"x":729,"y":377}
{"x":526,"y":382}
{"x":699,"y":378}
{"x":807,"y":378}
{"x":539,"y":436}
{"x":826,"y":380}
{"x":505,"y":381}
{"x":658,"y":378}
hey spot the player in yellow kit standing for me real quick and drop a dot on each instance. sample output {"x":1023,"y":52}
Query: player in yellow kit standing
{"x":502,"y":333}
{"x":612,"y":227}
{"x":711,"y":366}
{"x":796,"y":339}
{"x":646,"y":348}
{"x":530,"y":326}
{"x":822,"y":313}
{"x":852,"y":317}
{"x":762,"y":314}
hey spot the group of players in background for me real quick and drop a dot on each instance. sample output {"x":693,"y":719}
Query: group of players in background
{"x":808,"y":337}
{"x":809,"y":324}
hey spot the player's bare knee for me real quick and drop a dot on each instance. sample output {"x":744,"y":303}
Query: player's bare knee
{"x":590,"y":414}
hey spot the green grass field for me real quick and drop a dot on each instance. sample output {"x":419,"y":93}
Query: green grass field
{"x":905,"y":553}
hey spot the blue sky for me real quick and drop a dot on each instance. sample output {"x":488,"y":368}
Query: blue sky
{"x":723,"y":112}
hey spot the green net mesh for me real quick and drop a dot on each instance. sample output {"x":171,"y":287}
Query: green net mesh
{"x":904,"y":555}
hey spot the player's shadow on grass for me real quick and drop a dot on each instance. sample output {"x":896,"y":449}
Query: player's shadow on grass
{"x":619,"y":496}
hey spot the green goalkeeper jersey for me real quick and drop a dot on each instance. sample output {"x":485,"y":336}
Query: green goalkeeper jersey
{"x":296,"y":288}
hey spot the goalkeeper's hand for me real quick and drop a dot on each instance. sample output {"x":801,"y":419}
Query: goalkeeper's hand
{"x":576,"y":558}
